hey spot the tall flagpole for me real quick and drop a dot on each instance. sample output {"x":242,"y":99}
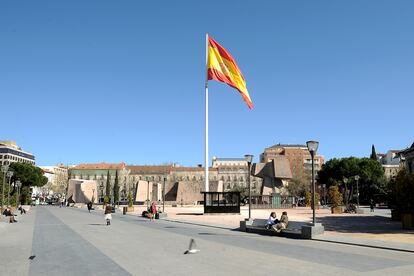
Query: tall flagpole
{"x":206,"y":132}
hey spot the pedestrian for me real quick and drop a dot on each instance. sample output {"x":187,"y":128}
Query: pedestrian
{"x":22,"y":210}
{"x":153,"y":210}
{"x":108,"y":214}
{"x":371,"y":205}
{"x":283,"y":223}
{"x":89,"y":206}
{"x":271,"y":220}
{"x":8,"y":213}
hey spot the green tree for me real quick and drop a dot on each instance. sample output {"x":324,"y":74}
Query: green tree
{"x":299,"y":185}
{"x":402,"y":192}
{"x":116,"y":188}
{"x":373,"y":155}
{"x":371,"y":182}
{"x":29,"y":176}
{"x":130,"y":199}
{"x":108,"y":185}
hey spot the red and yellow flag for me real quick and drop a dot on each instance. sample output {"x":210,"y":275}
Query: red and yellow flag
{"x":221,"y":66}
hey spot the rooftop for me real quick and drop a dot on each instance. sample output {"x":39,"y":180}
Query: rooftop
{"x":289,"y":146}
{"x":100,"y":166}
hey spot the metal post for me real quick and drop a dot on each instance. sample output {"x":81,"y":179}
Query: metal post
{"x":357,"y":193}
{"x":148,"y":194}
{"x":313,"y":189}
{"x":4,"y":169}
{"x":163,"y":195}
{"x":250,"y":190}
{"x":9,"y":174}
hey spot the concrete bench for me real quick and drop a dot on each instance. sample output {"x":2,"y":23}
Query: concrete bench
{"x":258,"y":226}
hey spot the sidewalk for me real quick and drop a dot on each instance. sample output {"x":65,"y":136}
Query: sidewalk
{"x":368,"y":229}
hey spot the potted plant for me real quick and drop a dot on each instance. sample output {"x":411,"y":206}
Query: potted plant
{"x":335,"y":197}
{"x":130,"y":203}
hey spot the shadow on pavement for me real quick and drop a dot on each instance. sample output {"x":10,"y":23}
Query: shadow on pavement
{"x":189,"y":214}
{"x":362,"y":224}
{"x":97,"y":224}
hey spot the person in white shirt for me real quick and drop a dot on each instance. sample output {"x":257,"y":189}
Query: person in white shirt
{"x":271,"y":220}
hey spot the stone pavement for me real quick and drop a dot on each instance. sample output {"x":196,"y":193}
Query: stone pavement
{"x":370,"y":229}
{"x":70,"y":241}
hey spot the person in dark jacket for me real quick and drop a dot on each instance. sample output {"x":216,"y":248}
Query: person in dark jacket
{"x":89,"y":206}
{"x":8,"y":213}
{"x":108,"y":214}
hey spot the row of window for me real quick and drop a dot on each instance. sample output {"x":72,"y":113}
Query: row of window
{"x":168,"y":178}
{"x":2,"y":162}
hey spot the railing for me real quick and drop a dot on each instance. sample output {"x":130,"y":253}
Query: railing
{"x":272,"y":202}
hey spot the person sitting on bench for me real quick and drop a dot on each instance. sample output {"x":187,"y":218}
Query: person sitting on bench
{"x":9,"y":214}
{"x":283,"y":223}
{"x":271,"y":220}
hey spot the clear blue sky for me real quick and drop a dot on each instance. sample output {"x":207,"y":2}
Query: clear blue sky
{"x":91,"y":81}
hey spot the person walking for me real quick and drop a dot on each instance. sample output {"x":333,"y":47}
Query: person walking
{"x":153,"y":210}
{"x":89,"y":206}
{"x":108,"y":214}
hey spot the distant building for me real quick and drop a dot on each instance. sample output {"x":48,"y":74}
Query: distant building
{"x":390,"y":162}
{"x":407,"y":158}
{"x":299,"y":158}
{"x":10,"y":153}
{"x":58,"y":178}
{"x":99,"y":173}
{"x":233,"y":173}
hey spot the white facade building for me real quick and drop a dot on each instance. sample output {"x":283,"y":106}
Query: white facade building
{"x":10,"y":153}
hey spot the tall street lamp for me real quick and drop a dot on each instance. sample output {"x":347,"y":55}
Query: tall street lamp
{"x":163,"y":194}
{"x":4,"y":170}
{"x":357,"y":180}
{"x":249,"y":158}
{"x":148,"y":192}
{"x":345,"y":180}
{"x":9,"y":175}
{"x":18,"y":184}
{"x":313,"y":147}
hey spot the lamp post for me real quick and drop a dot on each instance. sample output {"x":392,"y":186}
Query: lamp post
{"x":357,"y":180}
{"x":345,"y":180}
{"x":163,"y":194}
{"x":101,"y":187}
{"x":249,"y":158}
{"x":324,"y":194}
{"x":4,"y":170}
{"x":148,"y":192}
{"x":9,"y":175}
{"x":313,"y":147}
{"x":18,"y":184}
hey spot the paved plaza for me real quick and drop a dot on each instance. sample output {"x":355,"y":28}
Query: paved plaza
{"x":70,"y":241}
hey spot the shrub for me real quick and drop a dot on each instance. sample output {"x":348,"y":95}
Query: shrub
{"x":403,"y":191}
{"x":130,"y":199}
{"x":106,"y":199}
{"x":335,"y":197}
{"x":308,"y":199}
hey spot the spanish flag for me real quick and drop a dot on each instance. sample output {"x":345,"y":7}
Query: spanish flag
{"x":221,"y":66}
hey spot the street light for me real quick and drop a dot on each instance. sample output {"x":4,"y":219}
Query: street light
{"x":148,"y":192}
{"x":313,"y":147}
{"x":18,"y":184}
{"x":4,"y":170}
{"x":9,"y":175}
{"x":357,"y":180}
{"x":163,"y":194}
{"x":345,"y":180}
{"x":249,"y":158}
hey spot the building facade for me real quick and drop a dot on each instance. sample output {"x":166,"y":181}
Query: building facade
{"x":407,"y":158}
{"x":233,"y":173}
{"x":10,"y":153}
{"x":390,"y":162}
{"x":58,"y":178}
{"x":99,"y":173}
{"x":299,"y":158}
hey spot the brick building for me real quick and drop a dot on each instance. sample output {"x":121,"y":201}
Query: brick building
{"x":298,"y":156}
